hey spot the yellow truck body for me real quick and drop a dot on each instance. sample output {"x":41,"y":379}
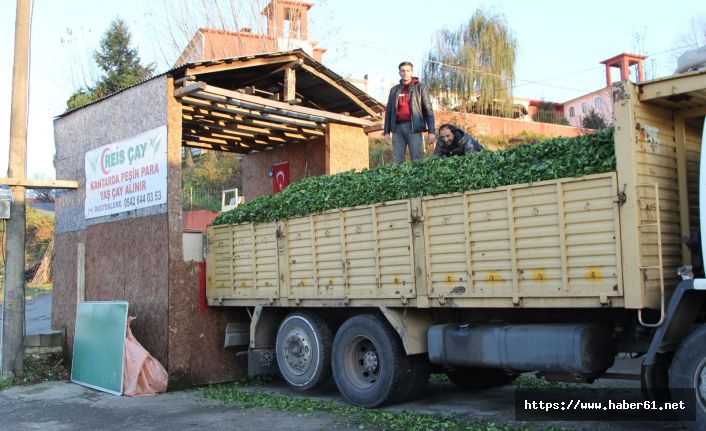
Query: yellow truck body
{"x":606,"y":240}
{"x":555,"y":277}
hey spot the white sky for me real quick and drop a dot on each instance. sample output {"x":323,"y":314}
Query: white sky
{"x":560,"y":45}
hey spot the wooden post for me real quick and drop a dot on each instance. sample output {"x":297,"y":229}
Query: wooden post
{"x":14,"y":316}
{"x":81,"y":273}
{"x":290,"y":85}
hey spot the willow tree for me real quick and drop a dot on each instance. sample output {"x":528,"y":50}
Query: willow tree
{"x":472,"y":69}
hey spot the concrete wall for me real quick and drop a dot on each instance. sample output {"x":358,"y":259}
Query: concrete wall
{"x":346,"y":149}
{"x":305,"y":159}
{"x":343,"y":148}
{"x":483,"y":125}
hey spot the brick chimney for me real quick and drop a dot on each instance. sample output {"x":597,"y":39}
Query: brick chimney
{"x":624,"y":61}
{"x":291,"y":15}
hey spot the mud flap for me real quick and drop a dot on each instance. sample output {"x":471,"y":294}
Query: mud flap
{"x":262,"y":362}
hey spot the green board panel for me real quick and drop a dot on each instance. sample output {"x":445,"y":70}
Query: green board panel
{"x":99,"y":345}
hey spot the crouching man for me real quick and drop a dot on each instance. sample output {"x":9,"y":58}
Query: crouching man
{"x":453,"y":141}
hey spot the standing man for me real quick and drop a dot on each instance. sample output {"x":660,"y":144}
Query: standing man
{"x":409,"y":114}
{"x":455,"y":142}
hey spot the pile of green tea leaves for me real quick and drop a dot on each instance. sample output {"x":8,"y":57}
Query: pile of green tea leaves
{"x":527,"y":163}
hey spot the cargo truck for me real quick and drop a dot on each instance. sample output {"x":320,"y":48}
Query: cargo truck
{"x":556,"y":276}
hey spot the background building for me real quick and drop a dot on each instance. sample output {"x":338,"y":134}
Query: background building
{"x":287,"y":29}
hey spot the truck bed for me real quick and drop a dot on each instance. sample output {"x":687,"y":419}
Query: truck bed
{"x":548,"y":244}
{"x":606,"y":240}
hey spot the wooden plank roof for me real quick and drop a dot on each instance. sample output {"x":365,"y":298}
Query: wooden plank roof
{"x":318,"y":87}
{"x":240,"y":104}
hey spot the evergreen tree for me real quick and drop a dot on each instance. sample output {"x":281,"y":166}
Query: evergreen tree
{"x":473,"y":68}
{"x":119,"y":63}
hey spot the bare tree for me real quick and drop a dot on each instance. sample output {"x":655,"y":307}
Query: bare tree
{"x":691,"y":39}
{"x":695,"y":37}
{"x":82,"y":71}
{"x":638,"y":47}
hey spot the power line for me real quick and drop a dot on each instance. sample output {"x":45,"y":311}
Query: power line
{"x":524,"y":82}
{"x":503,"y":77}
{"x":563,"y":75}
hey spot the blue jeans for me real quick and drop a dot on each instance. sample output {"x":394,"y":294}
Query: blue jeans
{"x":402,"y":137}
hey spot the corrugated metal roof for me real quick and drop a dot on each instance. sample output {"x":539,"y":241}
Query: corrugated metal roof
{"x":179,"y":72}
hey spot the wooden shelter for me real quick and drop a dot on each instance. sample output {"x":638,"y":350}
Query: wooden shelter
{"x":267,"y":102}
{"x":262,"y":102}
{"x":272,"y":108}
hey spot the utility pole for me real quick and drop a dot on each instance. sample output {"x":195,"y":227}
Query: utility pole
{"x":13,"y":320}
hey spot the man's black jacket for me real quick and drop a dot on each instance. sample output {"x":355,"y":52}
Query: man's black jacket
{"x":463,"y":143}
{"x":419,"y":104}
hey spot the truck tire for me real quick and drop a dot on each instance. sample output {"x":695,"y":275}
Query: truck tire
{"x":688,"y":370}
{"x":473,"y":378}
{"x":369,"y":364}
{"x":303,"y":350}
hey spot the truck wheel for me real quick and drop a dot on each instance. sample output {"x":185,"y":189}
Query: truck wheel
{"x":369,"y":364}
{"x":303,"y":350}
{"x":688,"y":370}
{"x":479,"y":378}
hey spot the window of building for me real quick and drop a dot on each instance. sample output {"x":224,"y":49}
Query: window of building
{"x":584,"y":107}
{"x":572,"y":112}
{"x":598,"y":104}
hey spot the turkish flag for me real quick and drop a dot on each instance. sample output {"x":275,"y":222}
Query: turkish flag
{"x":280,"y":177}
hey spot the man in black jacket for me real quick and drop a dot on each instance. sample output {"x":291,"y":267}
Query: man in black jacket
{"x":409,"y":114}
{"x":454,"y":142}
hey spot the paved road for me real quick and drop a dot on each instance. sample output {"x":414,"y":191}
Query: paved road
{"x":59,"y":406}
{"x":65,"y":406}
{"x":37,"y":315}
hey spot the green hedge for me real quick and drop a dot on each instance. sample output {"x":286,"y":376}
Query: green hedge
{"x":526,"y":163}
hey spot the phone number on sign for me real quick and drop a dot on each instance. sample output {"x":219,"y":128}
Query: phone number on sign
{"x":142,"y":198}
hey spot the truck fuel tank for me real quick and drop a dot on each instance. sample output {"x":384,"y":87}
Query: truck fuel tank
{"x":580,"y":348}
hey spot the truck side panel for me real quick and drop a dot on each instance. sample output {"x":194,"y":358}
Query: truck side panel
{"x":554,"y":239}
{"x":652,"y":154}
{"x":693,"y":132}
{"x":553,"y":243}
{"x":242,"y":262}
